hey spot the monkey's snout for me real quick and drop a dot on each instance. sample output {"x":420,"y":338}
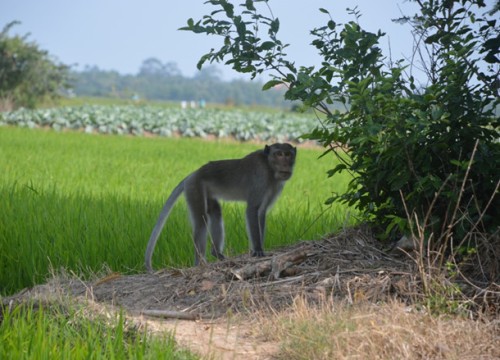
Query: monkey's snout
{"x":285,"y":175}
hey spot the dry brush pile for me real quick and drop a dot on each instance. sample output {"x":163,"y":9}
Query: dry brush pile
{"x":351,"y":266}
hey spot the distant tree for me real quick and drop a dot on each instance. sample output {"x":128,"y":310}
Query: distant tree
{"x":208,"y":73}
{"x":171,"y":69}
{"x":154,"y":67}
{"x":151,"y":67}
{"x":28,"y":75}
{"x":93,"y":81}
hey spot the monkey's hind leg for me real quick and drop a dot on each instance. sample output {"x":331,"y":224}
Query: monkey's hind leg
{"x":216,"y":225}
{"x":199,"y":220}
{"x":199,"y":238}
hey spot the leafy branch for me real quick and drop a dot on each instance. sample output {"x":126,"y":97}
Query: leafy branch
{"x":394,"y":137}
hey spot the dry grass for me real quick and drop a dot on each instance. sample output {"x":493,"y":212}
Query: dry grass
{"x":341,"y":297}
{"x":349,"y":266}
{"x":378,"y":331}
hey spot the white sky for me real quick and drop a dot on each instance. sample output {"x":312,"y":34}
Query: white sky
{"x":120,"y":34}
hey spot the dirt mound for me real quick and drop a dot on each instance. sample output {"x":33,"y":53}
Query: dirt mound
{"x":350,"y":266}
{"x":229,"y":299}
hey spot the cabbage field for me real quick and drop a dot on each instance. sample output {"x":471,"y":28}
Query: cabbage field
{"x":162,"y":121}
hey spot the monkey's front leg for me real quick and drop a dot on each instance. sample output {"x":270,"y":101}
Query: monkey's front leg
{"x":255,"y":231}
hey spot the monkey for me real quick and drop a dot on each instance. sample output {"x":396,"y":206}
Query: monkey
{"x":256,"y":179}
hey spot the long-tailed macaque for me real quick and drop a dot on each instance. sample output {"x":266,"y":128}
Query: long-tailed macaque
{"x":257,"y":179}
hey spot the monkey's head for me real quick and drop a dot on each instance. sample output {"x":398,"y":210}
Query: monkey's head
{"x":281,"y":158}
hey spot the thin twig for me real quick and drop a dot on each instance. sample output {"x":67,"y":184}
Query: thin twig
{"x":169,"y":314}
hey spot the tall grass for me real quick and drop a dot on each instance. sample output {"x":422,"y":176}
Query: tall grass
{"x":83,"y":201}
{"x":56,"y":333}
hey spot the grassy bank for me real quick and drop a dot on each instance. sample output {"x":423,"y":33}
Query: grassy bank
{"x":76,"y":333}
{"x":81,"y":202}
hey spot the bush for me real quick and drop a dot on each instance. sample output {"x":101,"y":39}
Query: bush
{"x":28,"y":75}
{"x":429,"y":154}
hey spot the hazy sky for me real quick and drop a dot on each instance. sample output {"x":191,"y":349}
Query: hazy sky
{"x":120,"y":34}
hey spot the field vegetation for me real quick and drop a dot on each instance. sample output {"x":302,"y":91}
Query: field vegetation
{"x":166,"y":121}
{"x":423,"y":160}
{"x":87,"y":203}
{"x":83,"y":202}
{"x":76,"y":333}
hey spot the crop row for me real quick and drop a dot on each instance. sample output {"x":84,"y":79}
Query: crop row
{"x":134,"y":120}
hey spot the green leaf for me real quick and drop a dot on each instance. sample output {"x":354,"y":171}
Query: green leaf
{"x":249,"y":5}
{"x":271,"y":84}
{"x":336,"y":169}
{"x":275,"y":26}
{"x":247,"y":69}
{"x":228,"y":8}
{"x":240,"y":27}
{"x":331,"y":200}
{"x":433,"y":38}
{"x":267,"y":45}
{"x":203,"y":59}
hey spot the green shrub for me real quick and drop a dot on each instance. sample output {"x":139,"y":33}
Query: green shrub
{"x":429,"y":154}
{"x":28,"y":74}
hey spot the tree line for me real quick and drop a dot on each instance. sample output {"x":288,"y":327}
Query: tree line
{"x":30,"y":76}
{"x":164,"y":81}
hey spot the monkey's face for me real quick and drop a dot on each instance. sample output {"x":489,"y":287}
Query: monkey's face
{"x":282,"y":159}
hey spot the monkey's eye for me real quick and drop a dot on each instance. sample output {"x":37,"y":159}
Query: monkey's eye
{"x":279,"y":153}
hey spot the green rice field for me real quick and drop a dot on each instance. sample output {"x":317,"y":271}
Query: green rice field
{"x":84,"y":203}
{"x":74,"y":333}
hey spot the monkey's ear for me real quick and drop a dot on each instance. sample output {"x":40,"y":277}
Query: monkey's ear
{"x":267,"y":150}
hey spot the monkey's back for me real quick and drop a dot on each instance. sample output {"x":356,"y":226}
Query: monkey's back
{"x":234,"y":179}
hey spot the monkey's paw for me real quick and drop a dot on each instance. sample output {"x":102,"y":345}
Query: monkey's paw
{"x":218,"y":255}
{"x":258,"y":253}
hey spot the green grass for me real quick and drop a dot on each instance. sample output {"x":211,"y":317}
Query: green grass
{"x":58,"y":333}
{"x":81,"y":202}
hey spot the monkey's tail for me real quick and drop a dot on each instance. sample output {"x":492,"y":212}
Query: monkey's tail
{"x":165,"y":211}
